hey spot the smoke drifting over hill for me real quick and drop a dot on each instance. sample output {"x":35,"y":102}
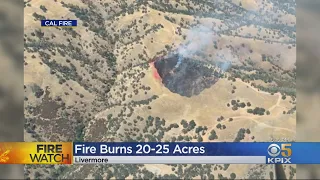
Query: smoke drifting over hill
{"x":189,"y":69}
{"x":198,"y":40}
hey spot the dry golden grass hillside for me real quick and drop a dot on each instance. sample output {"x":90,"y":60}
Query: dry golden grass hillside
{"x":100,"y":81}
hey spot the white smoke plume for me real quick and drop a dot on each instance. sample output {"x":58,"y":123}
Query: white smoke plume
{"x":197,"y":40}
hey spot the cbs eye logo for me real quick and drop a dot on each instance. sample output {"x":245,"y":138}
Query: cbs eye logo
{"x":274,"y":150}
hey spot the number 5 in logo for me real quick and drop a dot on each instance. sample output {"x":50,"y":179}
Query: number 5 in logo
{"x":286,"y":150}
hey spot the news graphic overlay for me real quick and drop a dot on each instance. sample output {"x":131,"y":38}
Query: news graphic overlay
{"x":35,"y":153}
{"x":168,"y":153}
{"x":196,"y":153}
{"x":280,"y":154}
{"x":159,"y":153}
{"x":59,"y":23}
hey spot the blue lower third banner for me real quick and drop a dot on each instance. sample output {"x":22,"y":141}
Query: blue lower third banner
{"x":195,"y":153}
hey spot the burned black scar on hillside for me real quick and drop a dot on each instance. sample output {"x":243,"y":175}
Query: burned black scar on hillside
{"x":188,"y":79}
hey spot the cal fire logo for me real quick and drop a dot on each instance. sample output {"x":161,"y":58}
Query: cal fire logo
{"x":274,"y":150}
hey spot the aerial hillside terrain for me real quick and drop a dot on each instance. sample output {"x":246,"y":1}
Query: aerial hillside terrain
{"x":160,"y":70}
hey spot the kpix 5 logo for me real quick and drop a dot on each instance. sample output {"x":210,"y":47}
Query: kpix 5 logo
{"x":274,"y":150}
